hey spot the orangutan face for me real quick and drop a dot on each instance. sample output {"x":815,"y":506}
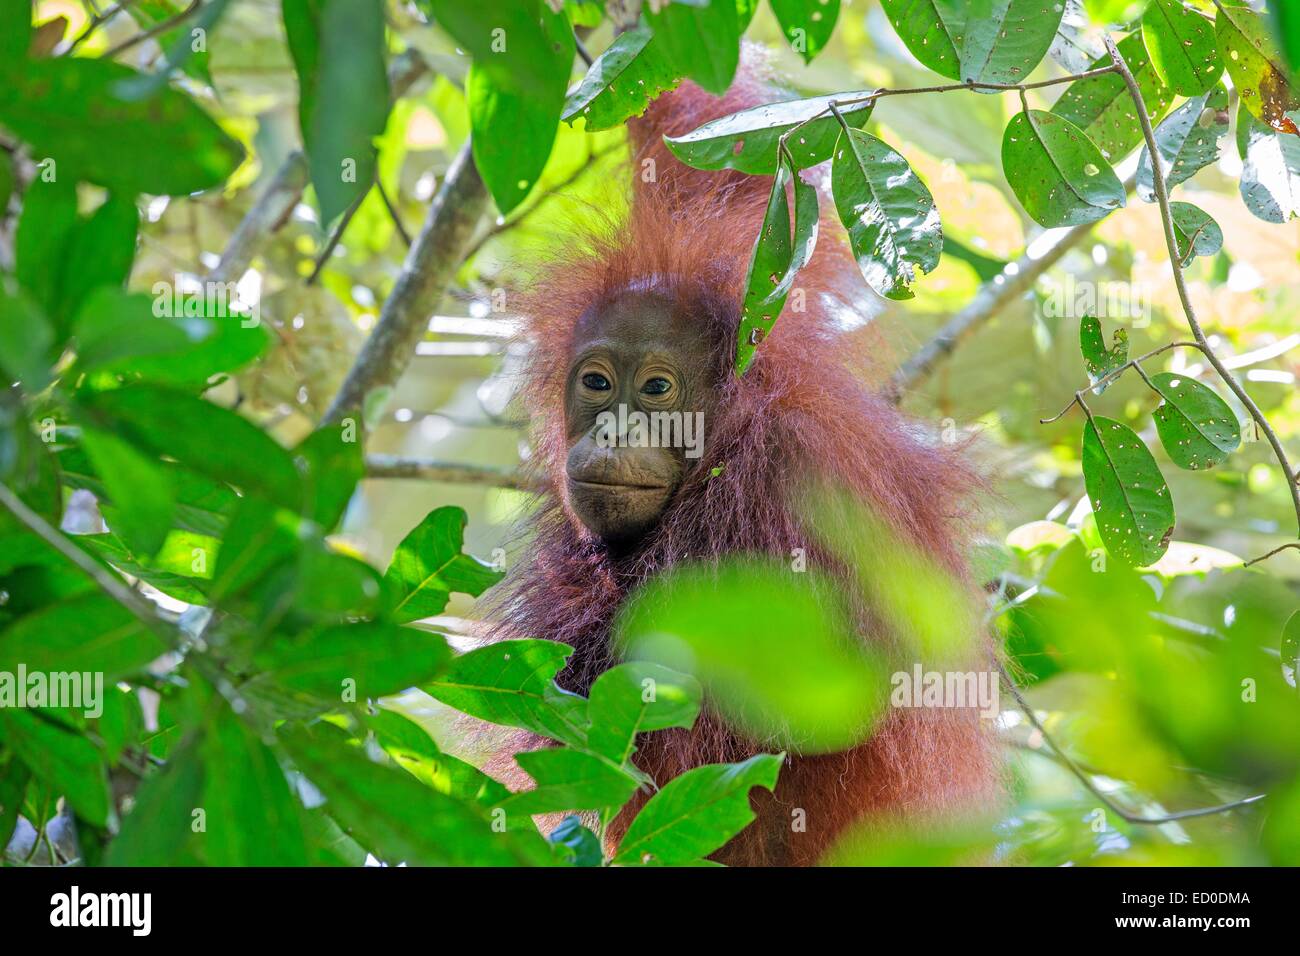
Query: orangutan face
{"x":636,"y":399}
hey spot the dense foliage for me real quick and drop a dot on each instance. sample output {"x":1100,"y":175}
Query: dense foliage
{"x":182,"y":519}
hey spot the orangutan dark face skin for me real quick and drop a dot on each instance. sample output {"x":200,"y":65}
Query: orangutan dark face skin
{"x":638,"y":352}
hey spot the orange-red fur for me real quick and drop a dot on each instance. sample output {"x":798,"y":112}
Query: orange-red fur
{"x":803,"y":411}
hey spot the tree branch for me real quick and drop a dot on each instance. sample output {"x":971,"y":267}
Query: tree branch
{"x":394,"y":466}
{"x":1162,"y":196}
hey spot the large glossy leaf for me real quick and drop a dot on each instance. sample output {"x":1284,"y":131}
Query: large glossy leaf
{"x":776,"y":261}
{"x":1005,"y":39}
{"x":621,"y":82}
{"x":893,"y":225}
{"x":87,"y":634}
{"x":701,"y":40}
{"x":69,"y":108}
{"x":1182,"y":48}
{"x":338,"y":49}
{"x":398,"y":818}
{"x":570,"y":780}
{"x":1130,"y":499}
{"x":1195,"y":232}
{"x":200,"y":435}
{"x":251,"y":815}
{"x":181,"y":568}
{"x":513,"y":683}
{"x":1056,"y":172}
{"x":64,"y":760}
{"x":1196,"y":426}
{"x":368,"y":660}
{"x":523,"y":52}
{"x":413,"y":749}
{"x":1099,"y":359}
{"x":1268,"y":87}
{"x":807,"y":24}
{"x":1188,"y":139}
{"x":932,"y":30}
{"x":1103,"y":108}
{"x":1270,"y":179}
{"x":633,"y":698}
{"x":429,"y":564}
{"x":696,"y":813}
{"x":748,"y":140}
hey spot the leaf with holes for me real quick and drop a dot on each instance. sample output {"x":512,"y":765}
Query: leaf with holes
{"x":1270,"y":179}
{"x":1196,"y":426}
{"x":1130,"y":499}
{"x":1100,"y":360}
{"x":701,"y":40}
{"x":1056,"y":172}
{"x":748,"y":140}
{"x":1102,"y":106}
{"x":429,"y":564}
{"x":621,"y":82}
{"x":1267,"y":86}
{"x":931,"y":30}
{"x":1195,"y":232}
{"x":807,"y":24}
{"x":776,"y":261}
{"x":696,"y":813}
{"x":1188,"y":139}
{"x":1005,"y":39}
{"x":892,"y":222}
{"x":1182,"y":48}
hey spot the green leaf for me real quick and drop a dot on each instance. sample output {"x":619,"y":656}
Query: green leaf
{"x":151,"y":13}
{"x":26,"y":339}
{"x":807,"y":24}
{"x":633,"y":698}
{"x":131,"y":333}
{"x":101,"y":250}
{"x":338,"y":49}
{"x":1196,"y":426}
{"x":1182,"y":48}
{"x":250,"y":813}
{"x":776,"y":260}
{"x":1100,"y":360}
{"x":1270,"y":179}
{"x":369,"y":660}
{"x":892,"y":222}
{"x":139,"y":488}
{"x":1266,"y":85}
{"x":730,"y":628}
{"x":15,"y":39}
{"x":512,"y":683}
{"x":181,"y":569}
{"x":200,"y":435}
{"x":1130,"y":499}
{"x":1195,"y":232}
{"x":1114,"y":11}
{"x":931,"y":30}
{"x":1006,"y":39}
{"x":414,"y":750}
{"x":748,"y":140}
{"x":523,"y":53}
{"x":1287,"y":20}
{"x":697,"y":813}
{"x":429,"y":564}
{"x":569,"y":780}
{"x":62,"y":759}
{"x":1056,"y":172}
{"x":1188,"y":139}
{"x":88,"y":634}
{"x":70,"y":108}
{"x":45,"y":229}
{"x":700,"y":40}
{"x":621,"y":82}
{"x":159,"y":830}
{"x":1289,"y":648}
{"x":333,"y":465}
{"x":575,"y":844}
{"x":401,"y":820}
{"x":1102,"y":107}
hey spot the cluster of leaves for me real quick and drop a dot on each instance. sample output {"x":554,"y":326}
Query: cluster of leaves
{"x":243,"y":652}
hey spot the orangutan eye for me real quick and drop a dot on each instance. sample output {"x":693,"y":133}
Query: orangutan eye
{"x":656,"y":386}
{"x":596,"y":382}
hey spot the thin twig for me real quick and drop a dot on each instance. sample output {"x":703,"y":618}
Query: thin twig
{"x":97,"y":21}
{"x":394,"y":466}
{"x":1162,"y":196}
{"x":335,"y":237}
{"x":1114,"y":374}
{"x":159,"y":28}
{"x":392,"y":212}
